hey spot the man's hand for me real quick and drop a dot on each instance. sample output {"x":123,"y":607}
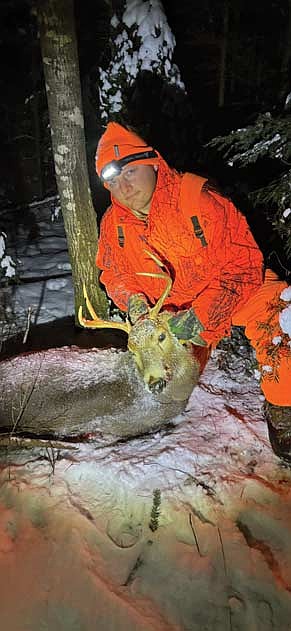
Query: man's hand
{"x":186,"y":326}
{"x":137,"y":307}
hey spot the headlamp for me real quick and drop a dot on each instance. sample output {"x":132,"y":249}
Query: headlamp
{"x":114,"y":168}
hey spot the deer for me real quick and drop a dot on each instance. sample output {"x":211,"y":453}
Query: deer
{"x":167,"y":365}
{"x":71,"y":392}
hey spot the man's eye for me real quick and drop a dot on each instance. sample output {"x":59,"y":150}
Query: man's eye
{"x":129,"y":173}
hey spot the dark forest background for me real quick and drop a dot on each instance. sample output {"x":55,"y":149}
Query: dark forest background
{"x":234,"y":58}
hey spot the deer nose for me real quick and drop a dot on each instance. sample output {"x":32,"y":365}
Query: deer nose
{"x":156,"y":385}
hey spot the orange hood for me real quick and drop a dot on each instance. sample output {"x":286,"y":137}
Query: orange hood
{"x":118,"y":142}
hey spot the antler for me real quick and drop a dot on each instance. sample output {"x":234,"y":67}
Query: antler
{"x":156,"y":309}
{"x":96,"y":322}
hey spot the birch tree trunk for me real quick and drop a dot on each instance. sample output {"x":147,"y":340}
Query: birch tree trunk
{"x":61,"y":71}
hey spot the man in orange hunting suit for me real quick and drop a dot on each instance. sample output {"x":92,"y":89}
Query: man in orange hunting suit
{"x":206,"y":247}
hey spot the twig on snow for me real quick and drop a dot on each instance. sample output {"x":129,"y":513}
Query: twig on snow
{"x":28,"y":321}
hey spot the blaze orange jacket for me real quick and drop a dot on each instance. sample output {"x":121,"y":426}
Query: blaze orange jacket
{"x":202,"y":239}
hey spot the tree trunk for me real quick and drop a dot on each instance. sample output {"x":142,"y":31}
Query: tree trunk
{"x":223,"y":52}
{"x":284,"y":87}
{"x":61,"y":70}
{"x":36,"y":124}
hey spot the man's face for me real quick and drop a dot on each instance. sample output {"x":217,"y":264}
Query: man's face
{"x":134,"y":188}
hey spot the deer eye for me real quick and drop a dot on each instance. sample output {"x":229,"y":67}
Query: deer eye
{"x":162,"y":337}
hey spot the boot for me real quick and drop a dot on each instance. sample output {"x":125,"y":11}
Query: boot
{"x":279,"y":425}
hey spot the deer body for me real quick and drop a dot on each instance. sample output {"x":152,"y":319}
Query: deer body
{"x":67,"y":392}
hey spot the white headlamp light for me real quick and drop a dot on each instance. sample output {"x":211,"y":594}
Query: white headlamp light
{"x":110,"y":170}
{"x":114,"y":168}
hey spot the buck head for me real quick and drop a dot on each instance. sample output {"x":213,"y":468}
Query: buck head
{"x":166,"y":364}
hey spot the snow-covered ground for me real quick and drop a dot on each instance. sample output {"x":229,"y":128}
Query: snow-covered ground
{"x":45,"y":288}
{"x":185,"y":529}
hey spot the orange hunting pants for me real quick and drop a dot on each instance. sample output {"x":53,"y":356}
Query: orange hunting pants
{"x":260,"y":317}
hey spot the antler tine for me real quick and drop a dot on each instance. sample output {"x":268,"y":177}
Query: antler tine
{"x":156,"y":309}
{"x":96,"y":322}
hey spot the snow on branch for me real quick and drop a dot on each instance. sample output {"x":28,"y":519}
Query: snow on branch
{"x":268,"y":138}
{"x":140,"y":40}
{"x":7,"y":265}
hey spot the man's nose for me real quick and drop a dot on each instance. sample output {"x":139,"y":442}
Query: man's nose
{"x":124,"y":185}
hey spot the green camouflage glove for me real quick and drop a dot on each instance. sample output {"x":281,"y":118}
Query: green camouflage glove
{"x":137,"y":307}
{"x":186,"y":326}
